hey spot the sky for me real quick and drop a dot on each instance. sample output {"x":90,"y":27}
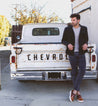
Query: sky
{"x":61,"y":8}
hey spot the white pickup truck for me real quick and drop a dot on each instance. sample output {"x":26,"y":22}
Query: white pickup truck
{"x":40,"y":55}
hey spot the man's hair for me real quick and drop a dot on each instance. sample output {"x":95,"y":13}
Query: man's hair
{"x":75,"y":15}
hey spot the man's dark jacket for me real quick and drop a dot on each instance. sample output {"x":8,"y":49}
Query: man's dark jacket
{"x":69,"y":38}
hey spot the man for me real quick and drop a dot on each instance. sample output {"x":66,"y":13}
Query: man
{"x":75,"y":37}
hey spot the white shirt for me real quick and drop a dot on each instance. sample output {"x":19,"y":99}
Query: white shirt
{"x":76,"y":33}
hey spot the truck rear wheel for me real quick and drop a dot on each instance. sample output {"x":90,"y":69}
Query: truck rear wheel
{"x":97,"y":77}
{"x":21,"y":80}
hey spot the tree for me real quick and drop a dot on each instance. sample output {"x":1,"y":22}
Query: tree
{"x":24,"y":16}
{"x":5,"y":27}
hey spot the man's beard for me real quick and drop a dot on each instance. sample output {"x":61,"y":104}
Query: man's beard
{"x":75,"y":24}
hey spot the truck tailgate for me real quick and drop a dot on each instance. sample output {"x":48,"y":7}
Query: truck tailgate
{"x":42,"y":57}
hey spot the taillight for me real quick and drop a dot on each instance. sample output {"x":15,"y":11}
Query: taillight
{"x":93,"y":58}
{"x":13,"y":59}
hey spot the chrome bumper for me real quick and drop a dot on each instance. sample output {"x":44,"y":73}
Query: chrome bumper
{"x":50,"y":75}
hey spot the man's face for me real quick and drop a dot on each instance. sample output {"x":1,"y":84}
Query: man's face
{"x":74,"y":21}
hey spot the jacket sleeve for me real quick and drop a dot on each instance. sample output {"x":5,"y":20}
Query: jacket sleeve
{"x":86,"y":36}
{"x":65,"y":37}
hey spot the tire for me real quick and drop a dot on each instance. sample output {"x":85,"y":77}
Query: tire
{"x":97,"y":80}
{"x":21,"y":80}
{"x":97,"y":77}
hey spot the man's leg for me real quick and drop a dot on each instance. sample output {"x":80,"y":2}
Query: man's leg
{"x":81,"y":72}
{"x":74,"y":63}
{"x":82,"y":67}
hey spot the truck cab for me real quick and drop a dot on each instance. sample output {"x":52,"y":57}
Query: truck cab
{"x":40,"y":55}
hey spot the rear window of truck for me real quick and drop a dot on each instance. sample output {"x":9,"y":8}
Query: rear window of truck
{"x":45,"y":31}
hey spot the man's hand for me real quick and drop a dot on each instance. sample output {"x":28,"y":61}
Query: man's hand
{"x":84,"y":47}
{"x":70,"y":47}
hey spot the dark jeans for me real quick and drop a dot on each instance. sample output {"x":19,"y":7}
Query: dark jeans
{"x":78,"y":65}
